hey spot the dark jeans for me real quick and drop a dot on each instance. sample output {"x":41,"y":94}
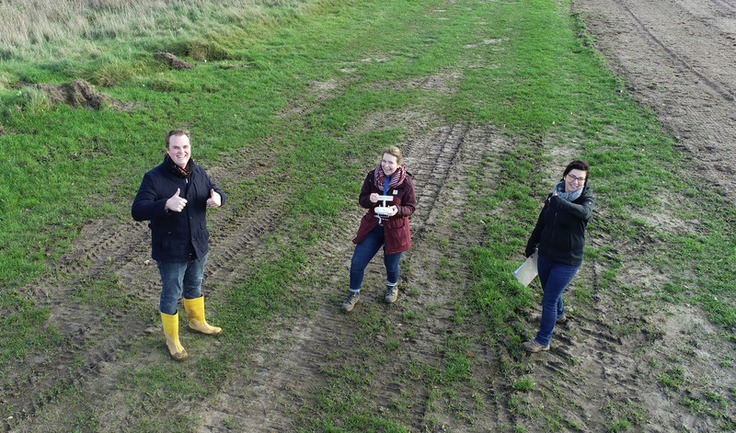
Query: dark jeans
{"x":180,"y":278}
{"x":555,"y":278}
{"x":364,"y":252}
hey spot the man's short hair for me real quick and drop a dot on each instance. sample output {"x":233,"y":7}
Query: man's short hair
{"x":175,"y":132}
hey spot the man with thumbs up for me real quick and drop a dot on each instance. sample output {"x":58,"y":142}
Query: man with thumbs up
{"x":174,"y":197}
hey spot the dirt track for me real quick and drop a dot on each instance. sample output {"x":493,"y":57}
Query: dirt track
{"x":676,"y":57}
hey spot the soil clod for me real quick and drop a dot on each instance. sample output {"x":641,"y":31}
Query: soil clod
{"x":78,"y":93}
{"x":173,"y":61}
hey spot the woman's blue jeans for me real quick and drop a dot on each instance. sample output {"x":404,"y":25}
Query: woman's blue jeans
{"x":180,"y":278}
{"x":364,"y":252}
{"x":555,"y":277}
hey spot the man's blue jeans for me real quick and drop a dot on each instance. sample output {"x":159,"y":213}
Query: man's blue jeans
{"x":555,"y":277}
{"x":364,"y":252}
{"x":180,"y":278}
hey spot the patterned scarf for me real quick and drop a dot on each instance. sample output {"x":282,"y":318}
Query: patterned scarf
{"x":396,"y":179}
{"x":181,"y":172}
{"x":569,"y":196}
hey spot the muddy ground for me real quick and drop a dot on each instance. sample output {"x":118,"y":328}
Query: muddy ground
{"x":675,"y":56}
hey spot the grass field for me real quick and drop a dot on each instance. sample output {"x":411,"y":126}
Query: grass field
{"x":289,"y":87}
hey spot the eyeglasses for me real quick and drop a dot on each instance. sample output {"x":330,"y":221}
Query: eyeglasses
{"x":574,"y":178}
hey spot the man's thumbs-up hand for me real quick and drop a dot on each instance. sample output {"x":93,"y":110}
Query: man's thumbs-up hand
{"x":215,"y":200}
{"x":176,"y":203}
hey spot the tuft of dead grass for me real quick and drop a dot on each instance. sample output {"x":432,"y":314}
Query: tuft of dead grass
{"x":32,"y":26}
{"x":78,"y":93}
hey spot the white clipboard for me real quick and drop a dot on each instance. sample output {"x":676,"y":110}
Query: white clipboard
{"x":527,"y":271}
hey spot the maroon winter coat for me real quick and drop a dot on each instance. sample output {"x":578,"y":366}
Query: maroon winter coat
{"x":397,"y":238}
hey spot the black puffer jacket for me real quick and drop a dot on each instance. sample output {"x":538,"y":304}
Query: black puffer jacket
{"x":559,"y":235}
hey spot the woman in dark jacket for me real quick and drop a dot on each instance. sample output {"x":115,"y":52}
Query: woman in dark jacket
{"x":559,"y":239}
{"x":384,"y":224}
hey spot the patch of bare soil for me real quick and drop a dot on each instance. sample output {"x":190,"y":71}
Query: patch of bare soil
{"x":80,"y":93}
{"x":173,"y":62}
{"x":677,"y":58}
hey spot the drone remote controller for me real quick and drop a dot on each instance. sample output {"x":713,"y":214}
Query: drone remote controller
{"x":383,"y":211}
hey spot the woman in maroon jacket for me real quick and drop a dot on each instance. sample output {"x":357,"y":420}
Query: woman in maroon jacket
{"x":384,"y":224}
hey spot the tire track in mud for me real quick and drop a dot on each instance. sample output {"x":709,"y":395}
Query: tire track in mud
{"x":587,"y":351}
{"x":725,"y":5}
{"x":297,"y":361}
{"x":120,"y":252}
{"x":285,"y":366}
{"x":435,"y":158}
{"x":434,"y":164}
{"x":439,"y":332}
{"x":677,"y":59}
{"x":602,"y":361}
{"x":107,"y":246}
{"x":99,"y":245}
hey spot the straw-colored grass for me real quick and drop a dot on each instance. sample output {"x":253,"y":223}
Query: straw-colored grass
{"x":36,"y":29}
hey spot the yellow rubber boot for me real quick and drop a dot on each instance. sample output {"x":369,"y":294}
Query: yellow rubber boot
{"x":171,"y":331}
{"x":195,"y":312}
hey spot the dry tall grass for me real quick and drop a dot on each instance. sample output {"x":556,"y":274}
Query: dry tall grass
{"x":52,"y":27}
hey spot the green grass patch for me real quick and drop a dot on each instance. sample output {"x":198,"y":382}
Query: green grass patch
{"x":539,"y":84}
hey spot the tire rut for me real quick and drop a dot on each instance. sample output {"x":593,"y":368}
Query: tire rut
{"x":119,"y":252}
{"x":291,"y":367}
{"x":432,"y":166}
{"x":677,"y":59}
